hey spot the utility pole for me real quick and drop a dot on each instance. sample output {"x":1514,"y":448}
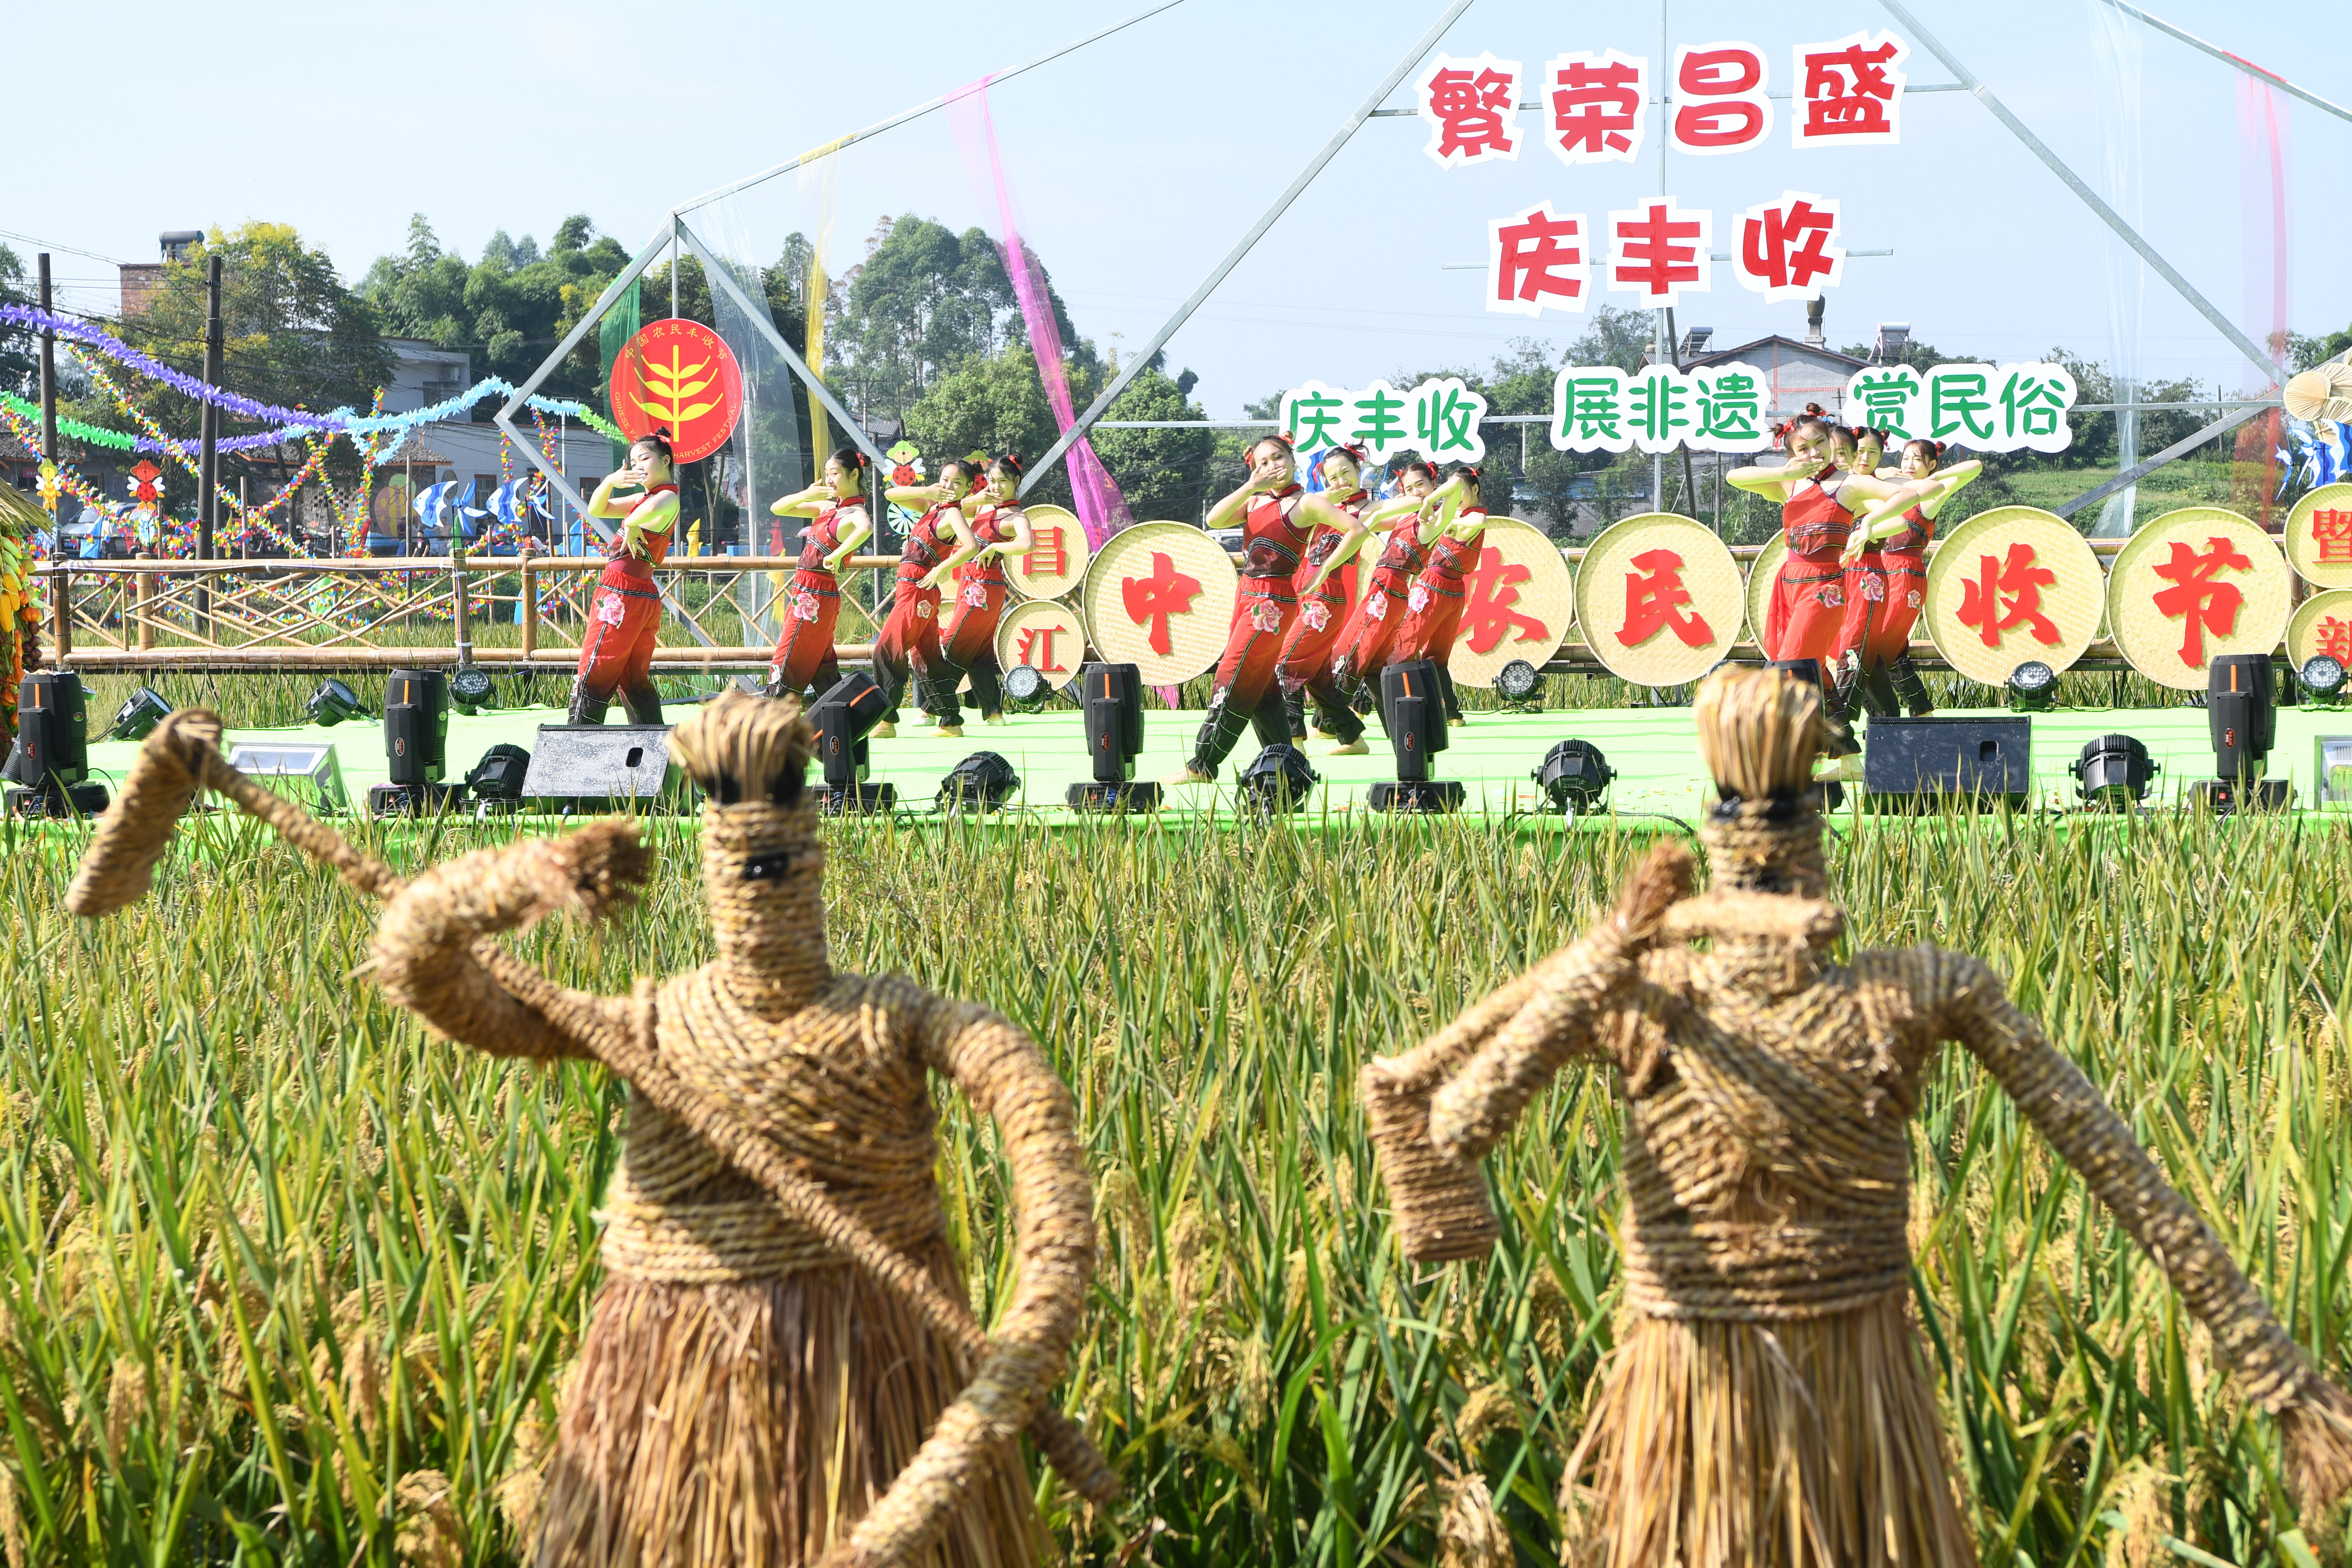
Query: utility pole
{"x":48,"y":370}
{"x":208,"y":455}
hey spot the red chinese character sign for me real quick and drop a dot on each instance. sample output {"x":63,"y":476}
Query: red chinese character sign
{"x":1057,"y":562}
{"x":1045,"y":634}
{"x":1599,"y":104}
{"x":1719,"y":94}
{"x":1160,"y":596}
{"x":1658,"y":597}
{"x":1537,"y":258}
{"x":2013,"y":585}
{"x":1785,"y":248}
{"x":1520,"y":598}
{"x":1848,"y":93}
{"x":1471,"y":108}
{"x":2319,"y":537}
{"x":2192,"y":585}
{"x":2321,"y":625}
{"x":678,"y":377}
{"x":1658,"y":252}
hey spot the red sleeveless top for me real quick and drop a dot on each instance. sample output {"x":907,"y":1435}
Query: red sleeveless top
{"x":656,"y":545}
{"x":823,"y":536}
{"x":986,"y":529}
{"x":1326,"y":540}
{"x":1814,"y":521}
{"x":927,"y":543}
{"x":1271,"y":544}
{"x":1918,"y":529}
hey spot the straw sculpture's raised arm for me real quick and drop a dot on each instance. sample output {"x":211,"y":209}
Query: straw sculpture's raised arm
{"x":1001,"y":1070}
{"x":432,"y":958}
{"x":2315,"y":1415}
{"x":1472,"y":1112}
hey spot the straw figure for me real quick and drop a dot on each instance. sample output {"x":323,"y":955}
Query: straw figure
{"x":1769,"y":1402}
{"x":780,"y":1368}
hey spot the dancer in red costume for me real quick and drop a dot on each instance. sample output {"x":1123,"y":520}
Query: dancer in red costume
{"x":1246,"y":692}
{"x":811,"y":603}
{"x":624,"y":614}
{"x":1819,"y":501}
{"x":1363,"y":645}
{"x":1435,"y":603}
{"x":1304,"y":666}
{"x":1886,"y":580}
{"x":908,"y":645}
{"x":998,"y":528}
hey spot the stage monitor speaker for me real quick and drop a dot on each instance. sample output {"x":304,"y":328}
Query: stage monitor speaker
{"x":2240,"y":713}
{"x":1920,"y":764}
{"x":416,"y":726}
{"x":600,"y":767}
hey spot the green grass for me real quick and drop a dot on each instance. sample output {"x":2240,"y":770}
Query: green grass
{"x":266,"y":1248}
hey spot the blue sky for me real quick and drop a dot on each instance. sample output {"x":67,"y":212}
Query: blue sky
{"x":1138,"y":162}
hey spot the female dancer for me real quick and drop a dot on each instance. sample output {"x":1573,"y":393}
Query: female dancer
{"x":1819,"y":501}
{"x":1381,"y":608}
{"x":804,"y":654}
{"x":1303,"y":666}
{"x":624,"y":616}
{"x":1246,"y":693}
{"x":909,"y":644}
{"x":998,"y":528}
{"x":1886,"y":579}
{"x":1435,"y":603}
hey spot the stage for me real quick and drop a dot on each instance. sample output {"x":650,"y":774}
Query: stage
{"x":1493,"y":754}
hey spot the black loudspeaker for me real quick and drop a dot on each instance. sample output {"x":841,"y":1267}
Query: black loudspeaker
{"x":51,"y":756}
{"x":416,"y":726}
{"x":1112,"y":697}
{"x":1413,"y":710}
{"x":843,"y":717}
{"x":2240,"y":713}
{"x":600,"y":767}
{"x":1921,"y":764}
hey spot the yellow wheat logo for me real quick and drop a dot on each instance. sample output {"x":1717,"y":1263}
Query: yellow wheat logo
{"x":667,"y":389}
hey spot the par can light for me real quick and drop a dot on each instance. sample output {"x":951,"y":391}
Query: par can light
{"x":1025,"y":688}
{"x":1575,"y":775}
{"x":2322,"y":675}
{"x":2032,"y":686}
{"x":332,"y":703}
{"x":1517,"y":681}
{"x":2115,"y":771}
{"x":1279,"y":781}
{"x":137,"y":718}
{"x":469,"y":690}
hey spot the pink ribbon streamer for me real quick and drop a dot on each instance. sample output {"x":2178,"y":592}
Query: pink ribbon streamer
{"x":1102,"y":509}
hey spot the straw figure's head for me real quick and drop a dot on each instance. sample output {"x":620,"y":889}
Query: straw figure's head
{"x":763,"y":868}
{"x":1759,"y":730}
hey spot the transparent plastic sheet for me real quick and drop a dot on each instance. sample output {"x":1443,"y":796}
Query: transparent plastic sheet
{"x":2264,"y":146}
{"x":2117,"y":42}
{"x":767,"y":456}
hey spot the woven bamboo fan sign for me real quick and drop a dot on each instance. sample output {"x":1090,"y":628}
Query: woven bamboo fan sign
{"x":2194,"y":584}
{"x":1519,"y":602}
{"x":1659,"y":599}
{"x":1045,"y":634}
{"x":1057,"y":562}
{"x":2322,"y":625}
{"x":1762,"y":572}
{"x":1160,"y":596}
{"x":2319,"y":537}
{"x":2009,"y":587}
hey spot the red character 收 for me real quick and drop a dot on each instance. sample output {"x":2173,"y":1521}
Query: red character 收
{"x":2007,"y":593}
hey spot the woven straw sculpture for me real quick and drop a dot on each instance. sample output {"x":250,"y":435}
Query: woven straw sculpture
{"x":780,"y":1368}
{"x":1769,"y":1403}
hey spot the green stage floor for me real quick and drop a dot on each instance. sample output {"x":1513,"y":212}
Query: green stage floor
{"x":1653,"y":750}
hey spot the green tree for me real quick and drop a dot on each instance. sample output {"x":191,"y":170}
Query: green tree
{"x":994,"y":404}
{"x":20,"y":359}
{"x":1163,"y":473}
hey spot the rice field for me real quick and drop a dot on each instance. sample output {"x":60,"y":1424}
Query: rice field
{"x":283,"y":1280}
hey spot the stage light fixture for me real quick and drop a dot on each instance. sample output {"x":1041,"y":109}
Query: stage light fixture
{"x":1112,"y":698}
{"x":1518,"y":684}
{"x":2115,"y":771}
{"x":2322,"y":675}
{"x":137,"y":718}
{"x":1414,"y":712}
{"x":1575,"y":776}
{"x":1027,"y":689}
{"x":332,"y":703}
{"x":2033,"y":687}
{"x":982,"y":782}
{"x":416,"y":746}
{"x":470,"y":690}
{"x":495,"y":780}
{"x":1279,"y":781}
{"x":51,"y":756}
{"x":2243,"y":718}
{"x":310,"y":774}
{"x":843,"y":717}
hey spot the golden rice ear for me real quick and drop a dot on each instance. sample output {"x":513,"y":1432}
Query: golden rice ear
{"x":741,"y":749}
{"x":1759,"y":730}
{"x":168,"y":772}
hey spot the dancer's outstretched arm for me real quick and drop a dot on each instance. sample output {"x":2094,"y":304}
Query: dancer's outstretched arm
{"x":2315,"y":1415}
